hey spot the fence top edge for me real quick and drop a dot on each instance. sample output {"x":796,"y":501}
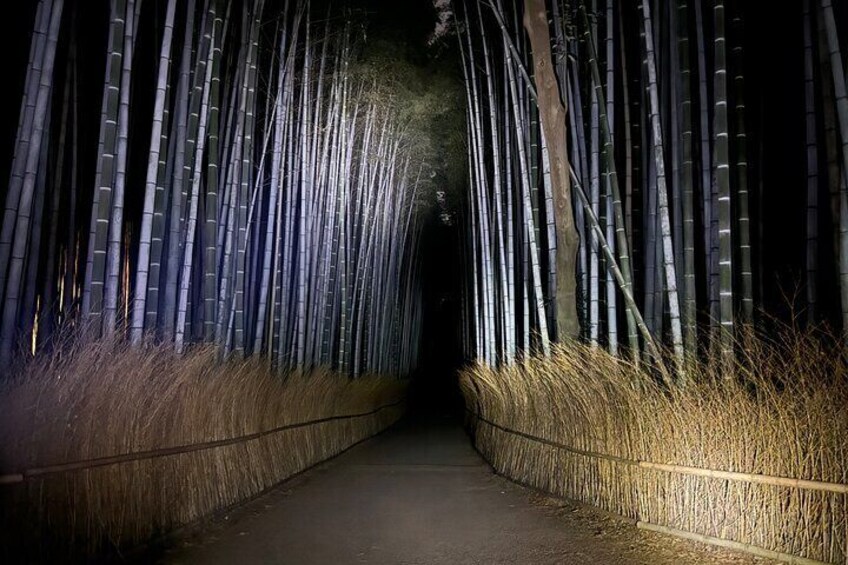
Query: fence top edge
{"x":83,"y":464}
{"x":803,"y":484}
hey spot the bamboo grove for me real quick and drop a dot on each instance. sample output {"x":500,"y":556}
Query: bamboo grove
{"x":609,"y":150}
{"x":275,"y":189}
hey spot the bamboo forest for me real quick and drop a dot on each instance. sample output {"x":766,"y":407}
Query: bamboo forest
{"x":430,"y":281}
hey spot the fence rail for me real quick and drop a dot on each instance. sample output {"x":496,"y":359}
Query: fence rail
{"x":806,"y":484}
{"x":83,"y":464}
{"x":803,"y":484}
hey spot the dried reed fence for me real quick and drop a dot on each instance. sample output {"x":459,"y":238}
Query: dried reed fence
{"x":195,"y":435}
{"x":717,"y":460}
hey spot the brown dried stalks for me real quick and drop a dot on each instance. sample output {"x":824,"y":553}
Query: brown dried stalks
{"x":784,"y":413}
{"x":103,"y":399}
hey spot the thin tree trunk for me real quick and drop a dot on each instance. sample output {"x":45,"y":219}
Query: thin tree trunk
{"x":553,"y":116}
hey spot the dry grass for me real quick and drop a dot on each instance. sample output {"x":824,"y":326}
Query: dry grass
{"x":105,"y":399}
{"x":785,"y":413}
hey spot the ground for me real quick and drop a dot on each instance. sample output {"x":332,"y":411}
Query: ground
{"x":420,"y":494}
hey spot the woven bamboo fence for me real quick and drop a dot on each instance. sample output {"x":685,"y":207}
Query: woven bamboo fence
{"x":78,"y":500}
{"x":720,"y":464}
{"x":112,"y":449}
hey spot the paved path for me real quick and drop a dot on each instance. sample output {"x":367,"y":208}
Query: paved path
{"x":420,"y":494}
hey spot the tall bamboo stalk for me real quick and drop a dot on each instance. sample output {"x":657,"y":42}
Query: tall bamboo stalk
{"x":722,"y":175}
{"x":26,"y":178}
{"x":662,"y":195}
{"x":742,"y":194}
{"x":812,"y":163}
{"x":101,"y":211}
{"x":687,"y":171}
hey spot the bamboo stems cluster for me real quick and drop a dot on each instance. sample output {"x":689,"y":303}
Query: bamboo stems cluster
{"x":658,"y":142}
{"x":277,"y":211}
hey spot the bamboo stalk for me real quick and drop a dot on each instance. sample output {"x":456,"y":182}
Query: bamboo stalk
{"x":841,"y":96}
{"x":669,"y":267}
{"x":18,"y":243}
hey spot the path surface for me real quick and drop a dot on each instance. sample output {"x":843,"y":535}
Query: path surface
{"x":420,"y":494}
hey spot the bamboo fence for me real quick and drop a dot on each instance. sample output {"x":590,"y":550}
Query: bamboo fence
{"x":492,"y":444}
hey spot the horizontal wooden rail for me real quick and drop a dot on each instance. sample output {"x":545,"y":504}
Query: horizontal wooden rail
{"x":686,"y":470}
{"x":804,"y":484}
{"x":730,"y":544}
{"x":39,"y":472}
{"x":560,"y":446}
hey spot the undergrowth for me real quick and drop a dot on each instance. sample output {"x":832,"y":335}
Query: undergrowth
{"x":781,"y":410}
{"x":101,"y":399}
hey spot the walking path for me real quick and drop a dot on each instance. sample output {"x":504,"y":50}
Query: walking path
{"x":420,"y":494}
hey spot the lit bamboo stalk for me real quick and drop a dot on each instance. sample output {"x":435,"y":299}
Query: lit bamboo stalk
{"x":116,"y":221}
{"x":812,"y":164}
{"x":26,"y":118}
{"x":210,"y":256}
{"x":689,"y":314}
{"x":742,"y":194}
{"x":662,"y":195}
{"x":532,"y":243}
{"x":841,"y":97}
{"x":623,"y":245}
{"x":204,"y":68}
{"x":722,"y":175}
{"x":705,"y":157}
{"x":18,"y":248}
{"x":181,"y":162}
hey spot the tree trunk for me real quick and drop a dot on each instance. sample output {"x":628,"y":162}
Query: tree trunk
{"x":553,"y":113}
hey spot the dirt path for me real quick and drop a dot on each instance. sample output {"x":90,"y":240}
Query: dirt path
{"x":420,"y":494}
